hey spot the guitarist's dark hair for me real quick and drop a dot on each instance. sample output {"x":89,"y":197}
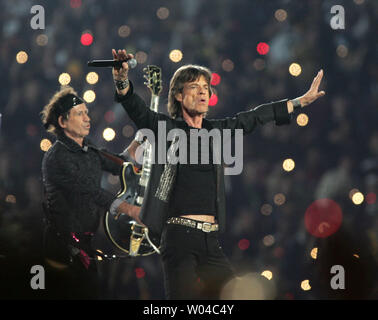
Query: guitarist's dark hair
{"x":184,"y":74}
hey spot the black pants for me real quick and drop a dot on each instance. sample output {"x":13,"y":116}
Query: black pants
{"x":194,"y":264}
{"x":66,"y":275}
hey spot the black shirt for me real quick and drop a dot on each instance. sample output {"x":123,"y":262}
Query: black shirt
{"x":195,"y":189}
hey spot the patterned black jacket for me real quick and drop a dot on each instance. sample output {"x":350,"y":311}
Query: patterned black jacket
{"x":71,"y":176}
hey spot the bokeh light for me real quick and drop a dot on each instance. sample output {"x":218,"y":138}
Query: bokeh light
{"x":227,"y":65}
{"x":45,"y":144}
{"x":75,"y":4}
{"x":92,"y":77}
{"x":302,"y":119}
{"x":175,"y":55}
{"x":267,"y":274}
{"x":323,"y":218}
{"x":251,"y":286}
{"x":128,"y":131}
{"x":358,"y":198}
{"x":268,"y":240}
{"x":314,"y":253}
{"x":89,"y":96}
{"x":108,"y":134}
{"x":243,"y":244}
{"x":140,"y":273}
{"x":109,"y":116}
{"x":22,"y":57}
{"x":86,"y":39}
{"x":262,"y":48}
{"x":162,"y":13}
{"x":259,"y":64}
{"x":342,"y":51}
{"x":141,"y":57}
{"x":213,"y":100}
{"x":42,"y":40}
{"x":280,"y":15}
{"x":266,"y":209}
{"x":124,"y":31}
{"x":288,"y":165}
{"x":215,"y":79}
{"x":64,"y":79}
{"x":305,"y":285}
{"x":371,"y":198}
{"x":295,"y":69}
{"x":279,"y":199}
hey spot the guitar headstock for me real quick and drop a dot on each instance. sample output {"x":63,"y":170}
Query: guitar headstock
{"x":153,"y":77}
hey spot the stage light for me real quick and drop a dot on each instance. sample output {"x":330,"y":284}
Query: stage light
{"x":302,"y":120}
{"x":314,"y":253}
{"x":162,"y":13}
{"x":128,"y":131}
{"x":140,"y":273}
{"x":124,"y":31}
{"x":21,"y":57}
{"x":266,"y":209}
{"x":45,"y":144}
{"x":259,"y":64}
{"x":175,"y":55}
{"x":295,"y":69}
{"x":279,"y":199}
{"x":141,"y":57}
{"x":288,"y":165}
{"x":64,"y":79}
{"x":215,"y":79}
{"x":267,"y":274}
{"x":108,"y":134}
{"x":75,"y":4}
{"x":342,"y":51}
{"x":358,"y":198}
{"x":268,"y":240}
{"x":262,"y":48}
{"x":213,"y":100}
{"x":92,"y":77}
{"x":227,"y":65}
{"x":42,"y":40}
{"x":109,"y":116}
{"x":86,"y":39}
{"x":356,"y":256}
{"x":10,"y":198}
{"x":371,"y":198}
{"x":251,"y":286}
{"x":323,"y":218}
{"x":305,"y":285}
{"x":89,"y":96}
{"x":352,"y":192}
{"x":243,"y":244}
{"x":280,"y":15}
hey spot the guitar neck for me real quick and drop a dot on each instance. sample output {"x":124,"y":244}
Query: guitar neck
{"x":154,"y":105}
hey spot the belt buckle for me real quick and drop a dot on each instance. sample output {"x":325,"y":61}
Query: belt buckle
{"x":206,"y":226}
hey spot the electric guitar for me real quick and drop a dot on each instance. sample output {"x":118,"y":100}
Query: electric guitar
{"x":124,"y":232}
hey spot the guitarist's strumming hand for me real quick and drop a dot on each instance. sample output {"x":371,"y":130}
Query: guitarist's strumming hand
{"x":129,"y":209}
{"x":120,"y":76}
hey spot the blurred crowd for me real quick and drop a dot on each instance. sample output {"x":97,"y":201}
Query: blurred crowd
{"x":336,"y":152}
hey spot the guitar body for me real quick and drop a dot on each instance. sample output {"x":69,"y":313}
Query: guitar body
{"x":125,"y":233}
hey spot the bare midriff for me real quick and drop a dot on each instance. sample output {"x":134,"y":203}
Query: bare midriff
{"x":200,"y":217}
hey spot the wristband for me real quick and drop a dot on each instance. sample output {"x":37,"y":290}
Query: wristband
{"x":296,"y":104}
{"x":121,"y":84}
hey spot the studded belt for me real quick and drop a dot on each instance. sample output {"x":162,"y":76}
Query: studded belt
{"x":203,"y":226}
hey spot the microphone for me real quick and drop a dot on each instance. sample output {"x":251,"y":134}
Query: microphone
{"x":112,"y":63}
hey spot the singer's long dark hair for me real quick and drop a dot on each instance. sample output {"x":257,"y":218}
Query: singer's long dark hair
{"x":184,"y":74}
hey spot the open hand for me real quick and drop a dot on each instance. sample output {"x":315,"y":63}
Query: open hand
{"x":311,"y":95}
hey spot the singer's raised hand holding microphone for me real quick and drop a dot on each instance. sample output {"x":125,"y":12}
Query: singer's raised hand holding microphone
{"x":120,"y":76}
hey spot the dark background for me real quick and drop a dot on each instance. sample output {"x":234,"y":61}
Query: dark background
{"x":336,"y":152}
